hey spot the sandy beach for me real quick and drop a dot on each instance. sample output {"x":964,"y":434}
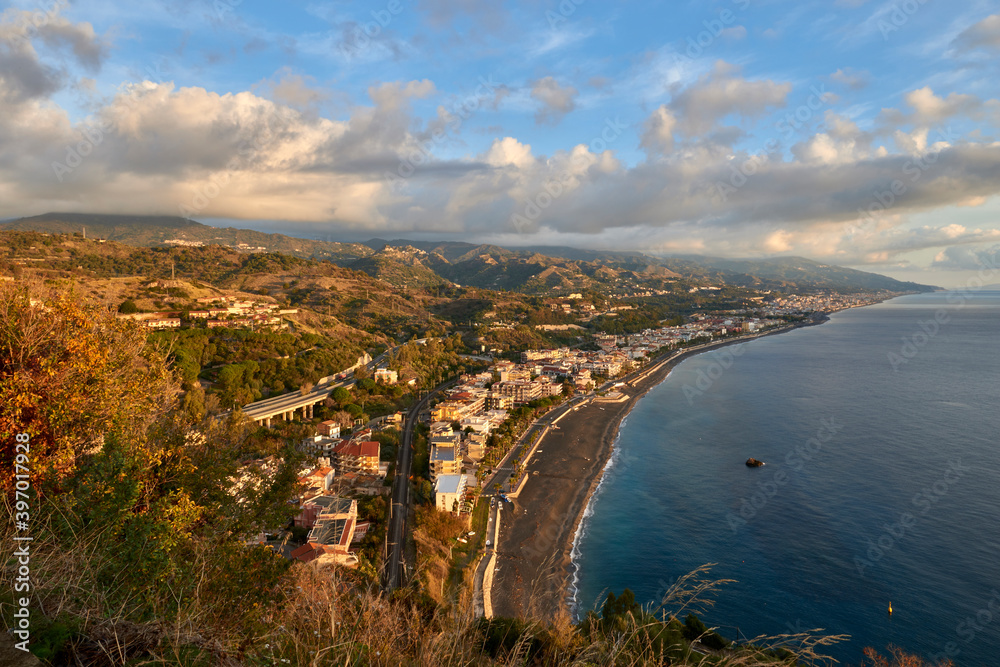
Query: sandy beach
{"x":534,"y":566}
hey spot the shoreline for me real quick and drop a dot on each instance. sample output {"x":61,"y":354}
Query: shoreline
{"x":537,"y":574}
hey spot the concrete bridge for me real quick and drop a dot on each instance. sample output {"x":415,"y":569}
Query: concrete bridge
{"x":285,"y":406}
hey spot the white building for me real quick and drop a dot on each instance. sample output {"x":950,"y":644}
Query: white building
{"x":448,"y":491}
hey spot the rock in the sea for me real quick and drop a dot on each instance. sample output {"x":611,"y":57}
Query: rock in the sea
{"x":754,"y":463}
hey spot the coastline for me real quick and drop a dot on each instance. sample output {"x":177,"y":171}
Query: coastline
{"x":536,"y":574}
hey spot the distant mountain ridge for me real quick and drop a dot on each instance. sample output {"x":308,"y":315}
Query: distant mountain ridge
{"x":532,"y":269}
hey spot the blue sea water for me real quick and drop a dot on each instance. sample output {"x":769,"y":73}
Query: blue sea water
{"x":882,"y":482}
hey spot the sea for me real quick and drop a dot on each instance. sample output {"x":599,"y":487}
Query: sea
{"x":880,"y":433}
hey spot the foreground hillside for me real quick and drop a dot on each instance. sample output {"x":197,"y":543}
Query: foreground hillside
{"x":140,"y":553}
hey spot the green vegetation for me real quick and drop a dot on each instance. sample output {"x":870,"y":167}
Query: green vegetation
{"x":140,"y":549}
{"x":244,"y":365}
{"x":145,"y":530}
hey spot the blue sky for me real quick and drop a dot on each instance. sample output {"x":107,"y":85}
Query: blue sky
{"x":858,"y":132}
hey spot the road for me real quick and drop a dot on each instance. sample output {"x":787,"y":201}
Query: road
{"x":393,"y":571}
{"x":482,"y":587}
{"x":505,"y":468}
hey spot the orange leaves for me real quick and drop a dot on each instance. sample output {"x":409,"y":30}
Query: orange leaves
{"x":69,"y":373}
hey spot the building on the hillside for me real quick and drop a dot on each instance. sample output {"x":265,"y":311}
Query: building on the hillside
{"x":329,"y":428}
{"x":444,"y":460}
{"x":163,"y":323}
{"x":386,"y":376}
{"x":320,"y":445}
{"x":332,"y":532}
{"x":317,"y":482}
{"x":325,"y":506}
{"x":449,"y":491}
{"x":356,"y":457}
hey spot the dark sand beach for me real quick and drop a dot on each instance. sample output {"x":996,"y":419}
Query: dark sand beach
{"x":534,"y":566}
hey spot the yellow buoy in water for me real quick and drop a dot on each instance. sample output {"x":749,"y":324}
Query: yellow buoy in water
{"x":890,"y":609}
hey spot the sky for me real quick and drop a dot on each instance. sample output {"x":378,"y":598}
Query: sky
{"x":855,"y":132}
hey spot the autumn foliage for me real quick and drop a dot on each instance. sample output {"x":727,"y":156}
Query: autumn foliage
{"x":70,"y":373}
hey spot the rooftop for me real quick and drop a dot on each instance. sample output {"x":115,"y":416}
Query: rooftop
{"x":365,"y":449}
{"x":449,"y":483}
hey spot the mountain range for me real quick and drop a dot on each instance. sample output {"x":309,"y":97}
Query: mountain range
{"x":530,"y":269}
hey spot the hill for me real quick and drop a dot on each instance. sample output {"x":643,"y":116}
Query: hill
{"x":160,"y":231}
{"x":550,"y":270}
{"x":793,"y":272}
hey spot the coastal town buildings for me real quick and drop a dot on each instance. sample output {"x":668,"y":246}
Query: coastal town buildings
{"x":356,"y":457}
{"x":449,"y":492}
{"x":332,"y":522}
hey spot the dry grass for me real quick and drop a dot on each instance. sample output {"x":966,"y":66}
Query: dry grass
{"x":330,"y":616}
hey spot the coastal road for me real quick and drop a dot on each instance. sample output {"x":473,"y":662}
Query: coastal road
{"x":482,"y":587}
{"x":393,"y":572}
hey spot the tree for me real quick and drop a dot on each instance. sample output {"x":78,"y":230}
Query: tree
{"x":341,"y":395}
{"x":141,"y":500}
{"x":127,"y":307}
{"x":68,"y":374}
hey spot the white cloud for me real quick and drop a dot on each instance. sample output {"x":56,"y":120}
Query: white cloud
{"x":702,"y":105}
{"x":658,"y":131}
{"x":509,"y":151}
